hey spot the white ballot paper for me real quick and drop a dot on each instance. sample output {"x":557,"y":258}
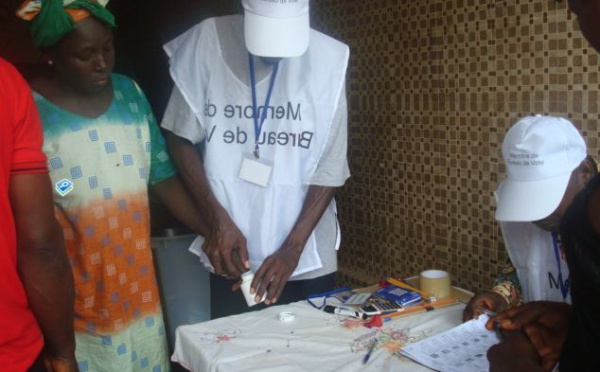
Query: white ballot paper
{"x":460,"y":349}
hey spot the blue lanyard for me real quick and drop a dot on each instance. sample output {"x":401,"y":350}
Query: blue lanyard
{"x":564,"y":289}
{"x":258,"y":125}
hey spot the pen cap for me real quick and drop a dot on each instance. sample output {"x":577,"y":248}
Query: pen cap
{"x":329,"y":309}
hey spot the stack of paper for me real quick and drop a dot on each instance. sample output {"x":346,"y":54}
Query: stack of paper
{"x":460,"y":349}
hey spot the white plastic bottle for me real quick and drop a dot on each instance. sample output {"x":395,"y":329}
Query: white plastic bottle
{"x":247,"y":278}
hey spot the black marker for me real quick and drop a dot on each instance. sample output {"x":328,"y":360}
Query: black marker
{"x":497,"y":331}
{"x":344,"y":311}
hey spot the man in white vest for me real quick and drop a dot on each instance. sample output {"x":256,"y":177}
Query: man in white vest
{"x":572,"y":337}
{"x":257,"y":125}
{"x":540,"y":152}
{"x":547,"y":167}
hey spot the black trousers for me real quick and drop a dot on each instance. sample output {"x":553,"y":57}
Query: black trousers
{"x":224,"y":302}
{"x":38,"y":365}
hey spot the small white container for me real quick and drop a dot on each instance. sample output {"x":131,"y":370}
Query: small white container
{"x":247,"y":278}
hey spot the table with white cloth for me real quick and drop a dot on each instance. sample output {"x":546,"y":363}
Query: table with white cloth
{"x":313,"y":341}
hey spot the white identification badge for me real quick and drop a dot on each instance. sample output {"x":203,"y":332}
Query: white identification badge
{"x":256,"y":171}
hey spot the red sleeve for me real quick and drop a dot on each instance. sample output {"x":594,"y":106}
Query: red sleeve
{"x":27,"y":129}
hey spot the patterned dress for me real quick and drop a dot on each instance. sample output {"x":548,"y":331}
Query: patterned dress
{"x":100,"y":170}
{"x":508,"y":285}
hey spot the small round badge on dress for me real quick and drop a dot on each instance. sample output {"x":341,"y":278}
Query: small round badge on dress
{"x":286,"y":316}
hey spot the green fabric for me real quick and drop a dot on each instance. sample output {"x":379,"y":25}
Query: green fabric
{"x":53,"y":22}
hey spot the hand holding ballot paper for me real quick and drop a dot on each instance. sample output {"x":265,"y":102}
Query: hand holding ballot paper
{"x":460,"y":349}
{"x":544,"y":323}
{"x":514,"y":354}
{"x":531,"y":339}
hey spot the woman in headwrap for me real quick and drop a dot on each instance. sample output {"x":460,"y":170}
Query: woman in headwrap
{"x":104,"y":149}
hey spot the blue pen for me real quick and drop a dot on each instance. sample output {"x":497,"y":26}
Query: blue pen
{"x":371,"y":348}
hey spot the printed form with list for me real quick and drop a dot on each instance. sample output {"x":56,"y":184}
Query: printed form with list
{"x":460,"y":349}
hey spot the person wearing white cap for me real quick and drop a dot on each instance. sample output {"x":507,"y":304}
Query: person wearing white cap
{"x":540,"y":154}
{"x":549,"y":175}
{"x":262,"y":95}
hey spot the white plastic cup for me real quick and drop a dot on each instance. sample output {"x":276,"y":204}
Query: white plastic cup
{"x":247,"y":278}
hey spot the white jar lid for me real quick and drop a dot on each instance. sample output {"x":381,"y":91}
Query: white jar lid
{"x":286,"y":316}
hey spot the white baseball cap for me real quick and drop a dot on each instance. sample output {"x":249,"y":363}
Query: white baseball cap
{"x":540,"y":153}
{"x":276,"y":28}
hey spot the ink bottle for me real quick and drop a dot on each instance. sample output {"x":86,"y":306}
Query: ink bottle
{"x":247,"y":278}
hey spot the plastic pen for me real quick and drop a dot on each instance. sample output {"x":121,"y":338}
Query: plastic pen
{"x":491,"y":313}
{"x":409,"y":311}
{"x":497,"y":331}
{"x":345,"y":311}
{"x":371,"y":348}
{"x":422,"y":307}
{"x":486,"y":311}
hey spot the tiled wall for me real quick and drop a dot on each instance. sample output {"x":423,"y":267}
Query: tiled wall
{"x":433,"y":85}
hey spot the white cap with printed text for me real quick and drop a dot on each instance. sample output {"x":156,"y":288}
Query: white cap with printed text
{"x":276,"y":28}
{"x":540,"y":153}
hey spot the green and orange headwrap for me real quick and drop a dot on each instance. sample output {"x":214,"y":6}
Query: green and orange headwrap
{"x":50,"y":20}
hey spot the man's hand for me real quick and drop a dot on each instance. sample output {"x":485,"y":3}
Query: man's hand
{"x":514,"y":354}
{"x":276,"y":269}
{"x":486,"y":299}
{"x":545,"y":323}
{"x":226,"y":248}
{"x":224,"y":243}
{"x":273,"y":274}
{"x":60,"y":364}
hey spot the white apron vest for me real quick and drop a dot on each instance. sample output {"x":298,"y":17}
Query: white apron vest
{"x":303,"y":102}
{"x":532,"y":253}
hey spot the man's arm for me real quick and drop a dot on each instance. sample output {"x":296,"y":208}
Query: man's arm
{"x":275,"y":271}
{"x":330,"y":174}
{"x":224,"y":243}
{"x":44,"y":267}
{"x":173,"y":194}
{"x":506,"y":293}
